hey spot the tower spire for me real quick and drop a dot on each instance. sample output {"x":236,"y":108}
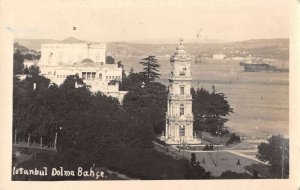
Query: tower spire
{"x":180,"y":41}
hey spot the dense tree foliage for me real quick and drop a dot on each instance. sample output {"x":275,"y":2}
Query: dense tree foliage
{"x":193,"y":158}
{"x":276,"y":153}
{"x":74,"y":113}
{"x":145,"y":101}
{"x":233,"y":138}
{"x":69,"y":160}
{"x":133,"y":82}
{"x":18,"y":65}
{"x":31,"y":56}
{"x":234,"y":175}
{"x":151,"y":68}
{"x":209,"y":110}
{"x":109,"y":60}
{"x":95,"y":125}
{"x":147,"y":164}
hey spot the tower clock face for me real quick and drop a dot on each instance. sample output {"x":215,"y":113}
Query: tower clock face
{"x":182,"y":70}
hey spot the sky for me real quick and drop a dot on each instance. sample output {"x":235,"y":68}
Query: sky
{"x":150,"y":20}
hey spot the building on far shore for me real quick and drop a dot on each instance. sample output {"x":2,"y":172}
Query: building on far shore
{"x":87,"y":60}
{"x":218,"y":56}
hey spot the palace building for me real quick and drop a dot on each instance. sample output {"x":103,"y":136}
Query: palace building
{"x":179,"y":117}
{"x":87,"y":60}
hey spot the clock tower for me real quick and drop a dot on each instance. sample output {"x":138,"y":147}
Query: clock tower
{"x":179,"y":117}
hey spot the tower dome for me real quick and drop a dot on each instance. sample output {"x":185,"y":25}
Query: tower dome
{"x":180,"y":55}
{"x":87,"y":61}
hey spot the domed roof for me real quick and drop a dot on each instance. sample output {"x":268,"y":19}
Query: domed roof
{"x":180,"y":47}
{"x":180,"y":54}
{"x":87,"y":60}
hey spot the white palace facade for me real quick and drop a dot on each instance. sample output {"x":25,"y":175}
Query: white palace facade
{"x":87,"y":60}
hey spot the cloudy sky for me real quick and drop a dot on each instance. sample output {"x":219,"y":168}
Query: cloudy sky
{"x":140,"y":20}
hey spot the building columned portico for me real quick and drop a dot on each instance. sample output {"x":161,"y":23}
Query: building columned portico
{"x":87,"y":60}
{"x":179,"y":117}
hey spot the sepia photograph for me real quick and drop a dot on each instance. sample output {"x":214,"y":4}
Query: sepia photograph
{"x":150,"y":90}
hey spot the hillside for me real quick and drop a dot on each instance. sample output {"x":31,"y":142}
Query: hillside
{"x":263,"y":48}
{"x":34,"y":44}
{"x":266,"y":48}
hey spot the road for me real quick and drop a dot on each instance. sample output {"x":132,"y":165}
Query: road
{"x":215,"y":161}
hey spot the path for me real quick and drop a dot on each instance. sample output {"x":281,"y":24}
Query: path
{"x":216,"y":161}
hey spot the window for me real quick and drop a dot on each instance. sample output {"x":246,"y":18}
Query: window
{"x":97,"y":57}
{"x":100,"y":76}
{"x":93,"y":75}
{"x":88,"y":77}
{"x":181,"y":110}
{"x":84,"y":75}
{"x":182,"y":90}
{"x":60,"y":57}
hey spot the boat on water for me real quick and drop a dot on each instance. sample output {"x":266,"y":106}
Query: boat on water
{"x":260,"y":67}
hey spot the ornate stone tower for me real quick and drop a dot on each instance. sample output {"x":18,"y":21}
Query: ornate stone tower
{"x":179,"y":118}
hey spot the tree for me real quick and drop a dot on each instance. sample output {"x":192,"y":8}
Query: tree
{"x":209,"y":110}
{"x":120,"y":65}
{"x":132,"y":82}
{"x":110,"y":60}
{"x":18,"y":62}
{"x":200,"y":172}
{"x":34,"y":71}
{"x":96,"y":125}
{"x":233,"y":175}
{"x":233,"y":138}
{"x":148,"y":103}
{"x":71,"y":82}
{"x":131,"y":71}
{"x":26,"y":70}
{"x":151,"y":68}
{"x":193,"y":158}
{"x":276,"y":153}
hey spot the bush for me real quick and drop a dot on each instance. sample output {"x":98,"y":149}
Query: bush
{"x":234,"y":175}
{"x":69,"y":160}
{"x":209,"y":147}
{"x":145,"y":163}
{"x":233,"y":138}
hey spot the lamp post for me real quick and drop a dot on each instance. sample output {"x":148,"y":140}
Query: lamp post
{"x":217,"y":156}
{"x":55,"y":140}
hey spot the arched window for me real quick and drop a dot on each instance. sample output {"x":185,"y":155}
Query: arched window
{"x":181,"y":110}
{"x":181,"y":90}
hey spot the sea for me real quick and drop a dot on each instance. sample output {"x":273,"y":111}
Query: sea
{"x":260,"y":100}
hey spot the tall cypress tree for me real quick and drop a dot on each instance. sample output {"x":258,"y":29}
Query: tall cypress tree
{"x":151,"y":68}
